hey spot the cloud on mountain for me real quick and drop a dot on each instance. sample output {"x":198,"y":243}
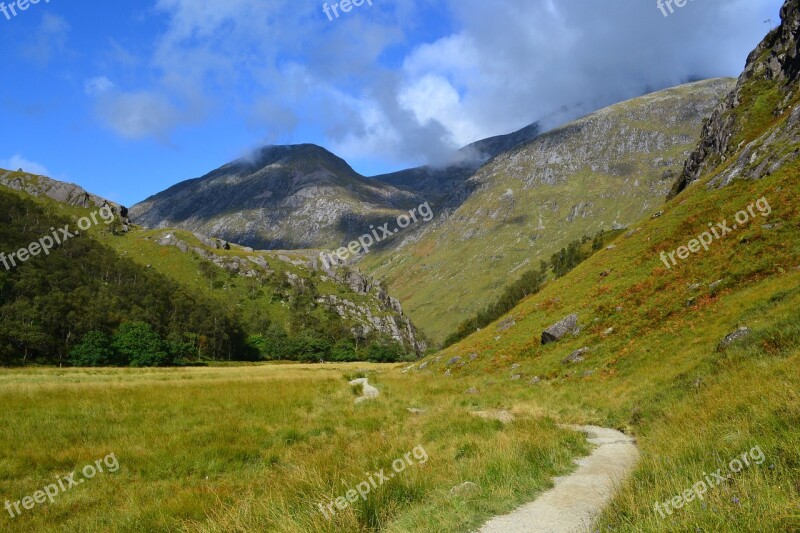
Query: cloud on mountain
{"x":410,"y":81}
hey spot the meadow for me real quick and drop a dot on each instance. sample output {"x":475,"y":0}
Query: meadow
{"x":259,"y":447}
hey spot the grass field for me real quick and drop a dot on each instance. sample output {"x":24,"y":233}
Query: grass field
{"x":258,"y":447}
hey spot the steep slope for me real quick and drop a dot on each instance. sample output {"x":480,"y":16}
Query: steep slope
{"x":601,"y":172}
{"x":444,"y":186}
{"x":699,"y":359}
{"x":287,"y":197}
{"x":287,"y":305}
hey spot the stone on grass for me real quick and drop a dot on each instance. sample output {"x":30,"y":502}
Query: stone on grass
{"x":557,"y":331}
{"x":466,"y":488}
{"x":737,"y":335}
{"x":576,"y":356}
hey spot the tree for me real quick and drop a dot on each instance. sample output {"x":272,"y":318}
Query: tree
{"x":95,"y":349}
{"x":138,"y":345}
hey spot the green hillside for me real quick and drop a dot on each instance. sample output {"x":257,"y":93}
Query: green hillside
{"x":601,"y":172}
{"x":201,"y":300}
{"x":656,"y":364}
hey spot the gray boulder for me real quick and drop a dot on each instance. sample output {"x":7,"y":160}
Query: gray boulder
{"x":557,"y":331}
{"x":737,"y":335}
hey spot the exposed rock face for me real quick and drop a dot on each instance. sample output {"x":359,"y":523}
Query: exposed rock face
{"x":66,"y":193}
{"x":287,"y":197}
{"x":776,"y":61}
{"x":558,"y":330}
{"x":382,"y":314}
{"x":445,"y":186}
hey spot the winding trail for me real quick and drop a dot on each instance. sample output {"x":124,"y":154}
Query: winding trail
{"x":577,"y":500}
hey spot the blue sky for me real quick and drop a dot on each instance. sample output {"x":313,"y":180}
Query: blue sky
{"x":128,"y":98}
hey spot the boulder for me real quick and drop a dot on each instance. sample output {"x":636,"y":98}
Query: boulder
{"x":557,"y":331}
{"x":737,"y":335}
{"x":468,"y":487}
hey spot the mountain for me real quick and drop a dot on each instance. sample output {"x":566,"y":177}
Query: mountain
{"x":762,"y":96}
{"x":699,"y":359}
{"x":285,"y":197}
{"x":220,"y":300}
{"x":442,"y":185}
{"x":604,"y":171}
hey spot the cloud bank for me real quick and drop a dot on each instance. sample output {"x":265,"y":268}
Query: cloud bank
{"x":411,"y":81}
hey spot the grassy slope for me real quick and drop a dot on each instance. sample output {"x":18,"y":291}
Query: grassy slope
{"x":256,"y":448}
{"x":658,"y":373}
{"x":249,"y":295}
{"x":451,"y":273}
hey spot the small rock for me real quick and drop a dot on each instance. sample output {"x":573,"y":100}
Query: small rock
{"x":657,"y":215}
{"x":415,"y":411}
{"x":608,"y":332}
{"x":423,"y":366}
{"x":619,"y":309}
{"x":690,"y":302}
{"x":516,"y":377}
{"x":506,"y":323}
{"x":473,"y":356}
{"x":472,"y":391}
{"x":715,"y":285}
{"x":576,"y":356}
{"x":515,"y":366}
{"x":535,"y":380}
{"x":453,"y":361}
{"x":447,"y":372}
{"x":468,"y":487}
{"x":611,"y":247}
{"x":737,"y":335}
{"x":694,"y":286}
{"x":588,"y":373}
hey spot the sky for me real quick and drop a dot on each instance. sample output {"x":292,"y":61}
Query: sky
{"x":129,"y":98}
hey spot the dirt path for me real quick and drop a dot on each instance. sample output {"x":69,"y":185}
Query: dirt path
{"x":576,"y":500}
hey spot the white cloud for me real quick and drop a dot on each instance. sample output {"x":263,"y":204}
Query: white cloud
{"x":136,"y":115}
{"x":282,"y":65}
{"x":16,"y":162}
{"x":98,"y":85}
{"x":49,"y":39}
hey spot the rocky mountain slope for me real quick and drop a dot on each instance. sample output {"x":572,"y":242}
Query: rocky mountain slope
{"x":603,"y":171}
{"x":764,"y":92}
{"x":266,"y":292}
{"x":286,"y":197}
{"x":444,"y":187}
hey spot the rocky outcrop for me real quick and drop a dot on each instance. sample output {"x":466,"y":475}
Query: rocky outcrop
{"x":558,"y":330}
{"x":382,"y":314}
{"x":775,"y":64}
{"x":60,"y":191}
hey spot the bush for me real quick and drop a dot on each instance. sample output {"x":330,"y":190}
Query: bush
{"x":95,"y":349}
{"x":138,"y":345}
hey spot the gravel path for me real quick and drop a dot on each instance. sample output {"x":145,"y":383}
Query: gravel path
{"x":577,"y":500}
